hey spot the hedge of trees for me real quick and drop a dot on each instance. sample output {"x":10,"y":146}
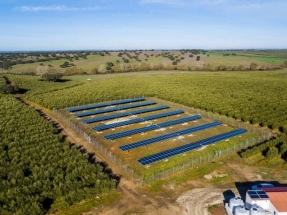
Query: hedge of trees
{"x":269,"y":149}
{"x":7,"y":87}
{"x":34,"y":85}
{"x":38,"y":168}
{"x":255,"y":97}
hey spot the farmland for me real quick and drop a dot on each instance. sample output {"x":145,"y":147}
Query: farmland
{"x":39,"y":169}
{"x":256,"y":98}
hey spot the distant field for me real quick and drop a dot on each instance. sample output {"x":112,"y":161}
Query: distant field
{"x":148,"y":60}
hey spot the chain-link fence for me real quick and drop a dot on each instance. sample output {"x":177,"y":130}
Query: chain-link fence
{"x":100,"y":147}
{"x":264,"y":134}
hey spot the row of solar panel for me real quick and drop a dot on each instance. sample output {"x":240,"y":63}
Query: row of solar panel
{"x":132,"y":121}
{"x":168,"y":136}
{"x":191,"y":146}
{"x":152,"y":127}
{"x":87,"y":107}
{"x":119,"y":115}
{"x":107,"y":110}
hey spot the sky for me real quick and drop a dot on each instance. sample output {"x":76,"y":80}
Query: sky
{"x":34,"y":25}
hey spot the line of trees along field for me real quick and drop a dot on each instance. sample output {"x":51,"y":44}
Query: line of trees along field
{"x":269,"y":149}
{"x":38,"y":169}
{"x":255,"y":97}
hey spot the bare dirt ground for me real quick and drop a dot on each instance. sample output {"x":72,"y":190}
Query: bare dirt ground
{"x":137,"y":200}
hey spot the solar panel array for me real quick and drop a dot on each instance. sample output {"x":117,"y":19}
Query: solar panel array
{"x":168,"y":136}
{"x":87,"y":107}
{"x":257,"y":194}
{"x":138,"y":102}
{"x":107,"y":110}
{"x":119,"y":115}
{"x":191,"y":146}
{"x":151,"y":127}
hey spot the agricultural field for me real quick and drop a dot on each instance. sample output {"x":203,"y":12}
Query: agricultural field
{"x":254,"y":97}
{"x":39,"y":170}
{"x":271,"y":154}
{"x":99,"y":62}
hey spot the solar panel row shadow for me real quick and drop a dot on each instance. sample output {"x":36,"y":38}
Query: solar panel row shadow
{"x":191,"y":146}
{"x":107,"y":110}
{"x":168,"y":136}
{"x":100,"y":105}
{"x":150,"y":127}
{"x":128,"y":122}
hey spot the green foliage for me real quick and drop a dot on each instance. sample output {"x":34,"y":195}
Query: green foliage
{"x":73,"y":71}
{"x":34,"y":86}
{"x":37,"y":167}
{"x":283,"y":148}
{"x":271,"y":152}
{"x":269,"y":149}
{"x":52,"y":77}
{"x":253,"y":66}
{"x":257,"y":97}
{"x":7,"y":87}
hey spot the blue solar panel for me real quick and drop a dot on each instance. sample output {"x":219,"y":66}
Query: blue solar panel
{"x":132,"y":121}
{"x":251,"y":192}
{"x":168,"y":136}
{"x":189,"y":147}
{"x":103,"y":118}
{"x":257,"y":194}
{"x":128,"y":122}
{"x":151,"y":127}
{"x":100,"y":105}
{"x":135,"y":112}
{"x":107,"y":110}
{"x":115,"y":116}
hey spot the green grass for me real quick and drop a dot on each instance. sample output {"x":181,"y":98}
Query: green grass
{"x":85,"y":206}
{"x":269,"y":57}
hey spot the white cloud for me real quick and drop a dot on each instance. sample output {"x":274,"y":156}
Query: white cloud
{"x":53,"y":8}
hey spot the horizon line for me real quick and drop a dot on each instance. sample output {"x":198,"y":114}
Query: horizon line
{"x":150,"y":49}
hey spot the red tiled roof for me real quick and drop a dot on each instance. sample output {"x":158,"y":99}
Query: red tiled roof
{"x":279,"y":200}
